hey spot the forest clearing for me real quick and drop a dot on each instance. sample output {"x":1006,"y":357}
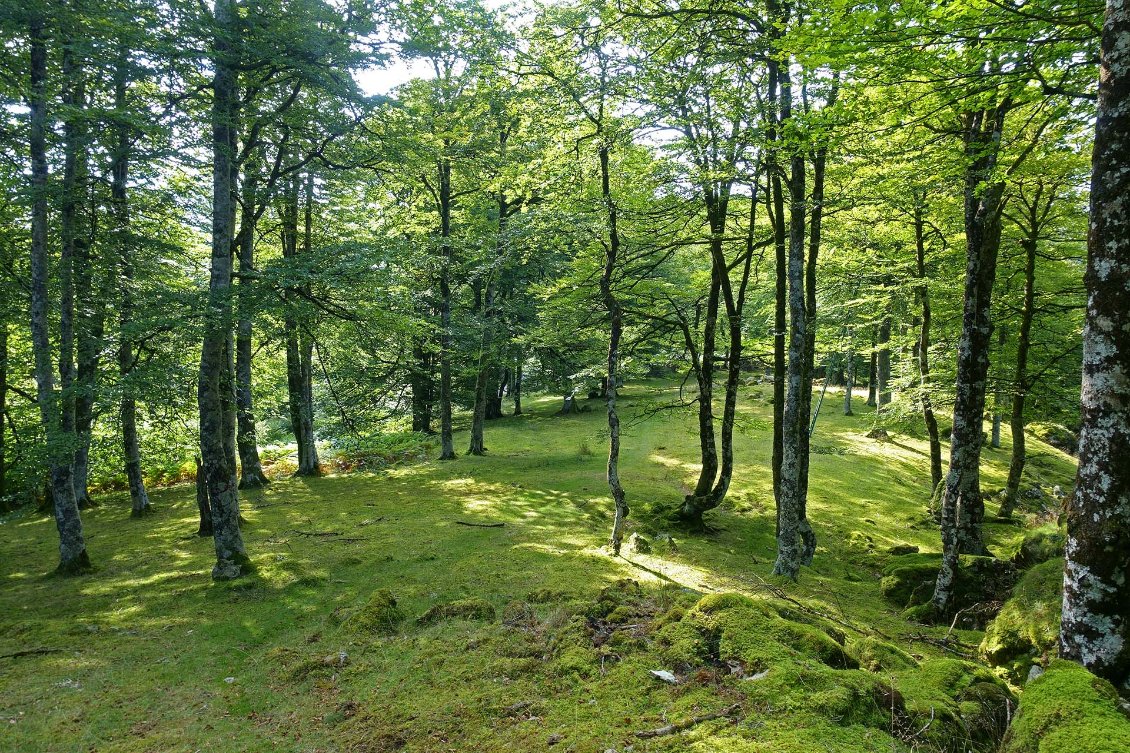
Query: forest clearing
{"x":154,"y":657}
{"x":579,"y":375}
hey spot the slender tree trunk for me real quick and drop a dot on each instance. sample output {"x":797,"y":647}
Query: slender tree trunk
{"x":4,"y":507}
{"x":963,"y":508}
{"x":1095,"y":629}
{"x":615,"y":329}
{"x":422,"y":384}
{"x":308,"y":462}
{"x":518,"y":388}
{"x":998,"y":394}
{"x":923,"y":294}
{"x":849,"y":376}
{"x":780,"y":307}
{"x":1020,"y":391}
{"x":123,"y":242}
{"x":883,"y":363}
{"x":60,"y":442}
{"x":873,"y":374}
{"x":216,"y":388}
{"x":447,"y":444}
{"x":251,"y":468}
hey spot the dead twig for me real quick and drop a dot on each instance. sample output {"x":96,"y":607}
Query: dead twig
{"x":479,"y":525}
{"x":671,"y":729}
{"x":315,"y":533}
{"x":31,"y":652}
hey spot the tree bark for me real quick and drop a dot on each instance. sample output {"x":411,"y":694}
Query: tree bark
{"x":447,"y":444}
{"x":998,"y":393}
{"x":615,"y":330}
{"x":883,"y":363}
{"x":1095,"y":629}
{"x":216,"y":388}
{"x":873,"y":374}
{"x":251,"y":467}
{"x":922,"y":292}
{"x":963,"y":508}
{"x":422,"y":383}
{"x":123,"y":243}
{"x":518,"y":388}
{"x":4,"y":507}
{"x":849,"y":377}
{"x":60,"y":434}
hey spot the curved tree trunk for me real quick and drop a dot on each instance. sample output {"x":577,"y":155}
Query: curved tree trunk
{"x":1095,"y":629}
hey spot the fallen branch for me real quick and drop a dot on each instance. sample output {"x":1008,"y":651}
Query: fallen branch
{"x":31,"y":652}
{"x":315,"y":533}
{"x":479,"y":525}
{"x":686,"y":724}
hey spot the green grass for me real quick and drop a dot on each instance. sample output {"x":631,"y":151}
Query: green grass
{"x":150,"y":655}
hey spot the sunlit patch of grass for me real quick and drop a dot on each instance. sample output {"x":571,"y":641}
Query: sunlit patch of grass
{"x":146,"y":642}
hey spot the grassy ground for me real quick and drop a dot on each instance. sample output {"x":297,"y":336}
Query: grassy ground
{"x":149,"y":655}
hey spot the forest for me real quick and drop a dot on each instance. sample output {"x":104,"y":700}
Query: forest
{"x":586,"y":375}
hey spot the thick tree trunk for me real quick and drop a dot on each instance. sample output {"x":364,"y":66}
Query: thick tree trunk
{"x":123,"y":242}
{"x":963,"y":508}
{"x":216,"y":388}
{"x":922,"y":292}
{"x":494,"y":397}
{"x":202,"y":505}
{"x":60,"y":441}
{"x":1095,"y":630}
{"x":479,"y":413}
{"x":251,"y":468}
{"x":1020,"y":393}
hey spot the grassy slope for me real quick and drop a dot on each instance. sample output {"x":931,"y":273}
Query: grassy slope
{"x":149,"y":642}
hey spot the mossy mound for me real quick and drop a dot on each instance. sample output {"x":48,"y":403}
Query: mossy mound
{"x":875,"y":655}
{"x":621,"y":602}
{"x":1028,"y":624}
{"x":908,"y":581}
{"x":1057,"y":435}
{"x":461,"y":609}
{"x":1067,"y":710}
{"x":732,"y":627}
{"x":380,"y":614}
{"x":958,"y":704}
{"x":1039,"y":545}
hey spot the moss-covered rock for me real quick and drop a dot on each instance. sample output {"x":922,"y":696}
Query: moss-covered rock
{"x":875,"y":655}
{"x":461,"y":609}
{"x":908,"y":581}
{"x":624,"y":593}
{"x":954,"y":702}
{"x":1068,"y":710}
{"x":380,"y":614}
{"x":1028,"y":623}
{"x":1039,"y":545}
{"x":1057,"y":435}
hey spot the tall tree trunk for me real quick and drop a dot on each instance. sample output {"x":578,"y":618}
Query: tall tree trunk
{"x":60,"y":444}
{"x":922,"y":292}
{"x":4,"y":507}
{"x":883,"y":362}
{"x":1095,"y":629}
{"x":216,"y":388}
{"x":780,"y":306}
{"x":446,"y":441}
{"x":251,"y":468}
{"x":790,"y":513}
{"x":308,"y":462}
{"x":517,"y":390}
{"x":963,"y":507}
{"x":849,"y":376}
{"x":73,"y":96}
{"x":998,"y":394}
{"x":202,"y":504}
{"x":123,"y":242}
{"x":1021,"y":386}
{"x":615,"y":329}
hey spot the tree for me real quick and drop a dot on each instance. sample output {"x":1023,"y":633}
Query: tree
{"x":1095,"y":629}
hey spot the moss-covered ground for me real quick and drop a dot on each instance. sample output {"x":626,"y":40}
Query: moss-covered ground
{"x":376,"y":621}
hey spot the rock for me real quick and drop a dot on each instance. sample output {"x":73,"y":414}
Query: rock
{"x":665,"y":538}
{"x":901,"y":549}
{"x":1039,"y":545}
{"x":639,"y":544}
{"x":380,"y":614}
{"x":461,"y":609}
{"x":340,"y":659}
{"x":554,"y":739}
{"x":664,"y":675}
{"x":878,"y":433}
{"x":1028,"y":623}
{"x":1034,"y":671}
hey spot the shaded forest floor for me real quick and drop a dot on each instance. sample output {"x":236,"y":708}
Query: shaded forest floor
{"x":147,"y":654}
